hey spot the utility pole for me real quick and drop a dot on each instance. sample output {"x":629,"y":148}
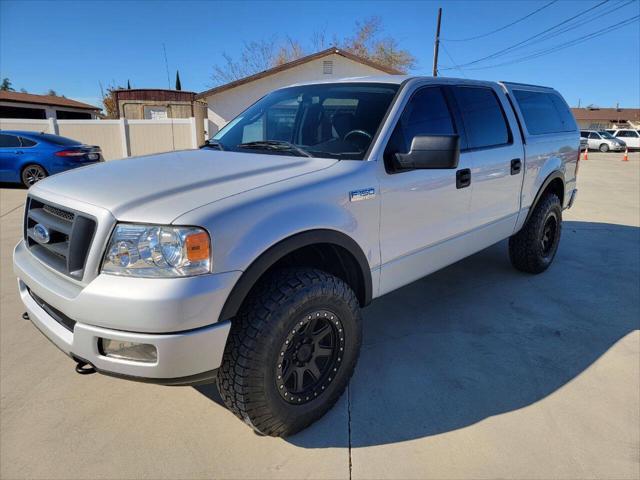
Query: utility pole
{"x":436,"y":46}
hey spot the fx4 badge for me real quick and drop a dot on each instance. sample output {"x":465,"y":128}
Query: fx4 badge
{"x":364,"y":194}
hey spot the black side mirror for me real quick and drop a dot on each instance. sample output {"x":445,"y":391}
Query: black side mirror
{"x":430,"y":151}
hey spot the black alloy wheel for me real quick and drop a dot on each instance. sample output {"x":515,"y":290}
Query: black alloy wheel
{"x":310,"y":357}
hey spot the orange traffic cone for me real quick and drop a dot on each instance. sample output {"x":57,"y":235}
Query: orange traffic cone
{"x":626,"y":155}
{"x":585,"y":156}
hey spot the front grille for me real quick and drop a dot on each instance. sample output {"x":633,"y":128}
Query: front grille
{"x":54,"y":313}
{"x":68,"y":216}
{"x":66,"y":246}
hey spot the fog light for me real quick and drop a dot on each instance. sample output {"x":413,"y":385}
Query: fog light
{"x":137,"y":352}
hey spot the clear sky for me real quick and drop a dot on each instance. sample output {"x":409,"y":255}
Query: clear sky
{"x":71,"y":46}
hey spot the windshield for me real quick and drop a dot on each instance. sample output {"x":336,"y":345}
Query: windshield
{"x":336,"y":120}
{"x":606,"y":135}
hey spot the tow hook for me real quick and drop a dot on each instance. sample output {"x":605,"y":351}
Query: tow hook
{"x":25,"y":316}
{"x":84,"y":368}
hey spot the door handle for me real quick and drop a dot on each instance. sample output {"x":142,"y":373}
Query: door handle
{"x":516,"y":166}
{"x":19,"y":152}
{"x":463,"y":178}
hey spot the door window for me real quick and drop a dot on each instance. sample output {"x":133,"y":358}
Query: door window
{"x":594,"y":136}
{"x":9,"y":141}
{"x":427,"y":113}
{"x":484,"y":120}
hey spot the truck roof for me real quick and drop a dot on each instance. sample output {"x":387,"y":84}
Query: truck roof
{"x":398,"y":79}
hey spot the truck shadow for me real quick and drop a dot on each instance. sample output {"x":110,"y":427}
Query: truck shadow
{"x":479,"y":338}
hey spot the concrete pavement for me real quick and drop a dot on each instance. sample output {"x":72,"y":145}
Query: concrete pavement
{"x":477,"y":371}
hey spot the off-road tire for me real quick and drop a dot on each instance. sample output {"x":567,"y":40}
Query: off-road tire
{"x":604,"y":148}
{"x":526,"y":247}
{"x":247,"y":378}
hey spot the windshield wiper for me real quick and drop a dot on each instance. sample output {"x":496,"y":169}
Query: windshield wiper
{"x":275,"y":145}
{"x":213,"y":144}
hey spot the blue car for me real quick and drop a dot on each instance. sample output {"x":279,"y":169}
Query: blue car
{"x":27,"y":157}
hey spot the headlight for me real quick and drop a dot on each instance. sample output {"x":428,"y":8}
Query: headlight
{"x":157,"y":251}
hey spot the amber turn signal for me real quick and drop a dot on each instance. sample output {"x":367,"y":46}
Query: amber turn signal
{"x":197,"y":246}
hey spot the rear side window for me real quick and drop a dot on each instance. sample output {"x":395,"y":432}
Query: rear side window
{"x":484,"y":120}
{"x":9,"y":141}
{"x":27,"y":142}
{"x":544,"y":112}
{"x":627,"y":134}
{"x":58,"y":140}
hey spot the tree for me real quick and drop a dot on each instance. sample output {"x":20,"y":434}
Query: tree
{"x":384,"y":51}
{"x":5,"y":86}
{"x":23,"y":90}
{"x":52,"y":93}
{"x":128,"y":85}
{"x":366,"y":42}
{"x":178,"y":84}
{"x":109,"y":100}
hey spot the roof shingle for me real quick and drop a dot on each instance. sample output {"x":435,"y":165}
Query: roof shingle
{"x":44,"y":100}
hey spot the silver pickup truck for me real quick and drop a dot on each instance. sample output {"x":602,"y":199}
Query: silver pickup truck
{"x":247,"y":261}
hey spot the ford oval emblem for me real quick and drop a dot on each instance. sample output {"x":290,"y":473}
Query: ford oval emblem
{"x":41,"y":233}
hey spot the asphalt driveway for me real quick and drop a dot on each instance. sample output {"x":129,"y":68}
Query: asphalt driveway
{"x":477,"y":371}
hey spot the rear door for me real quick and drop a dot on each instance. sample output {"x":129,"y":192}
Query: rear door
{"x":497,"y":158}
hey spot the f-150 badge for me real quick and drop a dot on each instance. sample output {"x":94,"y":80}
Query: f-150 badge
{"x":364,"y":194}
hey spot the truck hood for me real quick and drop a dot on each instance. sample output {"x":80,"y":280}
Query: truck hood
{"x":159,"y":188}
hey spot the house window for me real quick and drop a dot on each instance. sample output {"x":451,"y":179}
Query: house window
{"x":66,"y":115}
{"x":21,"y":112}
{"x":155,"y":113}
{"x":327,"y":67}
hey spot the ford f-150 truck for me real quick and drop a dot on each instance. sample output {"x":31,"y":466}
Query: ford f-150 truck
{"x":247,"y":261}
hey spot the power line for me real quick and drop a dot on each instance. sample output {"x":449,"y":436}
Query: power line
{"x":453,"y":61}
{"x":562,"y":46}
{"x":508,"y":49}
{"x":576,"y":24}
{"x":567,"y":28}
{"x":501,"y":28}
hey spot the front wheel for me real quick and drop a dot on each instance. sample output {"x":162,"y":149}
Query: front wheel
{"x":291,"y":351}
{"x":534,"y":247}
{"x":32,"y":174}
{"x":604,"y":148}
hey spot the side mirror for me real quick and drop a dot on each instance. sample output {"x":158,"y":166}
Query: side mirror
{"x":430,"y":151}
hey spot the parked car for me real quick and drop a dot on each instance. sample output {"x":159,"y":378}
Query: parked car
{"x":247,"y":261}
{"x":602,"y":140}
{"x":629,"y":136}
{"x":584,"y":144}
{"x":28,"y":157}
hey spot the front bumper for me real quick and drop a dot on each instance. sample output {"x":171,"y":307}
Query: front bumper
{"x":179,"y":318}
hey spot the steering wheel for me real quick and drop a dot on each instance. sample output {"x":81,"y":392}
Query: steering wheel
{"x":358,"y":132}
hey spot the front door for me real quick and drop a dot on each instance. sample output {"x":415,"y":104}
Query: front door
{"x":420,"y":209}
{"x":10,"y":152}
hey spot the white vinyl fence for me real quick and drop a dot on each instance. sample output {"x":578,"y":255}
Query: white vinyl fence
{"x":119,"y":138}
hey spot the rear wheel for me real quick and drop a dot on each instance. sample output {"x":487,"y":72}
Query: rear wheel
{"x":604,"y":148}
{"x":291,"y":351}
{"x":32,"y":174}
{"x":534,"y":247}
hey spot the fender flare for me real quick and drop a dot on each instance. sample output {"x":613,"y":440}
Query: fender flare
{"x":557,"y":174}
{"x":278,"y":251}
